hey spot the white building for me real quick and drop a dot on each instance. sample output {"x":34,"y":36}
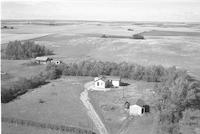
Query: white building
{"x":107,"y":81}
{"x":43,"y":60}
{"x":137,"y":109}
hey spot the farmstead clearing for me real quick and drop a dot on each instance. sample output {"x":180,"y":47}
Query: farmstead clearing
{"x":58,"y":102}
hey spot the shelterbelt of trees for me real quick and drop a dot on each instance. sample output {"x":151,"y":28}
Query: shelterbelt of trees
{"x":17,"y":50}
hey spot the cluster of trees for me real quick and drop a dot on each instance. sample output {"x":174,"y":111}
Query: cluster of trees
{"x":124,"y":69}
{"x":178,"y":103}
{"x":21,"y":86}
{"x":138,"y":36}
{"x":7,"y":27}
{"x":17,"y":50}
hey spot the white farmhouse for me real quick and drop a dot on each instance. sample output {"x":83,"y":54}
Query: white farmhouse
{"x":107,"y":81}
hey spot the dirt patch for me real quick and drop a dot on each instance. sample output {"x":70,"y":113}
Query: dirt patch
{"x":108,"y":107}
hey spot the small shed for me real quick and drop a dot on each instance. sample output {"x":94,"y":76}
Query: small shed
{"x":138,"y":108}
{"x":43,"y":60}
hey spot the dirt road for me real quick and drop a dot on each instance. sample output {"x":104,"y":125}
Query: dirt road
{"x":91,"y":112}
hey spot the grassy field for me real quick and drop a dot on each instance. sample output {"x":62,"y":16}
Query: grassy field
{"x":109,"y":106}
{"x":56,"y":103}
{"x":15,"y":69}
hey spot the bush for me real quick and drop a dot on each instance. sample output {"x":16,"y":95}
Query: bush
{"x":17,"y":50}
{"x":53,"y":71}
{"x":138,"y":36}
{"x":177,"y":93}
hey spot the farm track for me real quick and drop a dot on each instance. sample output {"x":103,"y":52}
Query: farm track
{"x":32,"y":39}
{"x":61,"y":128}
{"x":124,"y":127}
{"x":91,"y":111}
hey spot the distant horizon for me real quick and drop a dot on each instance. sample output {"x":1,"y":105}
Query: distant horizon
{"x":102,"y":10}
{"x":100,"y":20}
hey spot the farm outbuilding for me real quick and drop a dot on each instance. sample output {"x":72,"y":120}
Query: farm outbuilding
{"x":139,"y":108}
{"x":43,"y":60}
{"x":136,"y":110}
{"x":107,"y":81}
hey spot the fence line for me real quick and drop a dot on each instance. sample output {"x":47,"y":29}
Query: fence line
{"x":63,"y":128}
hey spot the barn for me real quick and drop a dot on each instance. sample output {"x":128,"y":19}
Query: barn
{"x":107,"y":81}
{"x":43,"y":60}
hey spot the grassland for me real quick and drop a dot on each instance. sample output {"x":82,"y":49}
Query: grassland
{"x":169,"y":45}
{"x":55,"y":103}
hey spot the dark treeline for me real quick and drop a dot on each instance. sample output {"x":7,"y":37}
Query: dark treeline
{"x":178,"y":103}
{"x":17,"y":50}
{"x":21,"y":86}
{"x":124,"y":69}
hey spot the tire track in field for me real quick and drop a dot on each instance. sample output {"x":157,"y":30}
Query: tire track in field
{"x":91,"y":111}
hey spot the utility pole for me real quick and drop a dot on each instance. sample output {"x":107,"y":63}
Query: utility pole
{"x":123,"y":92}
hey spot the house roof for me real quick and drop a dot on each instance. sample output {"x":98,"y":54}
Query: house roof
{"x":42,"y":58}
{"x":140,"y":102}
{"x":106,"y":78}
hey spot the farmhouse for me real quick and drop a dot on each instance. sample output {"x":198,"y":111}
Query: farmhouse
{"x":107,"y":81}
{"x":43,"y":60}
{"x":139,"y":108}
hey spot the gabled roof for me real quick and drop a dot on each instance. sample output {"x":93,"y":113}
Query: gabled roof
{"x":106,"y":78}
{"x":140,"y":102}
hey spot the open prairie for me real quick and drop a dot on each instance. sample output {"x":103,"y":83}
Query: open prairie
{"x":168,"y":44}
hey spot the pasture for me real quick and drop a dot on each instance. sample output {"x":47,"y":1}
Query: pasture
{"x":57,"y":103}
